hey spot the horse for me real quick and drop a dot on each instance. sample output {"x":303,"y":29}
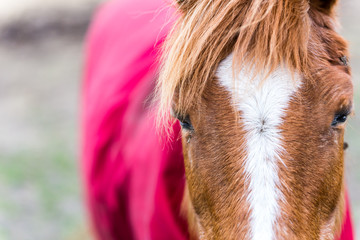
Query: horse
{"x":262,"y":90}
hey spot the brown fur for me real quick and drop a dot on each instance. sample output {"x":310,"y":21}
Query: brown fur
{"x":293,"y":33}
{"x":314,"y":166}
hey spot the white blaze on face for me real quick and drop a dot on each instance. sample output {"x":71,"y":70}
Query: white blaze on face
{"x":262,"y":107}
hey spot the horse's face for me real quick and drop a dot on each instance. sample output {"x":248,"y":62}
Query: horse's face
{"x":268,"y":158}
{"x":263,"y":153}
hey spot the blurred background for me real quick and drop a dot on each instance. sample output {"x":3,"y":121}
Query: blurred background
{"x":41,"y":59}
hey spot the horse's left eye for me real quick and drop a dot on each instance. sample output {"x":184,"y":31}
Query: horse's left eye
{"x":339,"y":118}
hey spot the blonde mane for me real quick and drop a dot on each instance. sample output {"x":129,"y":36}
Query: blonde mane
{"x":266,"y":33}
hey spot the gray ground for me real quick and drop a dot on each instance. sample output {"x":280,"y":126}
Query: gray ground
{"x":40,"y":72}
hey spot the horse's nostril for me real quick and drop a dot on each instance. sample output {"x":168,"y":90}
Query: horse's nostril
{"x":346,"y":145}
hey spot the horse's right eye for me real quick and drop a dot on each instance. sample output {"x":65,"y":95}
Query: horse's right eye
{"x":185,"y":123}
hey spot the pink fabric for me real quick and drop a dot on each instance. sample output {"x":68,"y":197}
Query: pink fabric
{"x":347,"y":232}
{"x":134,"y":183}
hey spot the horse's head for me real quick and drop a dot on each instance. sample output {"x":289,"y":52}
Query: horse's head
{"x":262,"y":91}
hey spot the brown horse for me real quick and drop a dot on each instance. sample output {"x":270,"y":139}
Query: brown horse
{"x":262,"y":90}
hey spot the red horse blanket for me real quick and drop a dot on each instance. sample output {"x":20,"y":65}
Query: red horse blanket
{"x":134,"y":183}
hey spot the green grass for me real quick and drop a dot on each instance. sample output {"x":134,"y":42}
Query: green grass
{"x":50,"y":179}
{"x":39,"y":176}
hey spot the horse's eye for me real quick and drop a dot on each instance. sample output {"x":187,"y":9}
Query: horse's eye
{"x":186,"y":123}
{"x":339,"y":118}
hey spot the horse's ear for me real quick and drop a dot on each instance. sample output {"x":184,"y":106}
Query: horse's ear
{"x":325,"y":6}
{"x":185,"y":5}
